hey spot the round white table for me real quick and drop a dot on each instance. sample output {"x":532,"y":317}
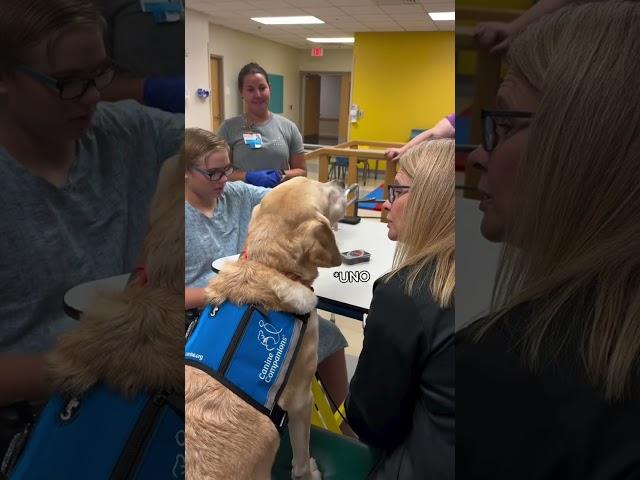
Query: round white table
{"x":348,"y":289}
{"x":79,"y":298}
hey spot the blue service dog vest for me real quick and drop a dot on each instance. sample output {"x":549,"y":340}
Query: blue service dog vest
{"x":103,"y":436}
{"x":248,"y":350}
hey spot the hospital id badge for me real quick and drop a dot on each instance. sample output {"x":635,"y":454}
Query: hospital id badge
{"x":252,"y":140}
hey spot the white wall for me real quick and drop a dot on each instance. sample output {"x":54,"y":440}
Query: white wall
{"x":329,"y":96}
{"x":476,"y":264}
{"x":197,"y":111}
{"x":333,"y":60}
{"x":239,"y":48}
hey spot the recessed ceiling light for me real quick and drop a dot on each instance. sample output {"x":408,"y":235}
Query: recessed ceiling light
{"x":332,"y":40}
{"x":439,"y":16}
{"x":307,"y":20}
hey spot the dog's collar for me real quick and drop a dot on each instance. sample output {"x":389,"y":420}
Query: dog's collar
{"x":290,"y":275}
{"x":140,"y":275}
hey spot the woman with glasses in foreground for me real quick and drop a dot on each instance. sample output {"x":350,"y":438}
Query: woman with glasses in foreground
{"x":548,"y":384}
{"x":401,"y":397}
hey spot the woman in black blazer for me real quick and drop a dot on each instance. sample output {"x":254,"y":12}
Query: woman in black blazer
{"x":401,"y":397}
{"x":548,"y":384}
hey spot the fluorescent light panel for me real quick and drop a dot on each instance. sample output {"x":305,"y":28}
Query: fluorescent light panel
{"x":307,"y":20}
{"x":440,"y":16}
{"x":332,"y":40}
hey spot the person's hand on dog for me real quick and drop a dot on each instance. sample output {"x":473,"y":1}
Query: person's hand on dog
{"x":264,"y":178}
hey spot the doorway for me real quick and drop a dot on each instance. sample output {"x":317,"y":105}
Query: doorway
{"x":217,"y":110}
{"x":325,"y":103}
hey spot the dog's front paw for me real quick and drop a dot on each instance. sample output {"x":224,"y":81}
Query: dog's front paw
{"x":313,"y":473}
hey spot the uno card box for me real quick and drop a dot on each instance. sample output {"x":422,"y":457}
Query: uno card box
{"x":355,"y":256}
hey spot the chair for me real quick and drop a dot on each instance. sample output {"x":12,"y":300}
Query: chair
{"x":321,"y":414}
{"x":338,"y":169}
{"x":338,"y":457}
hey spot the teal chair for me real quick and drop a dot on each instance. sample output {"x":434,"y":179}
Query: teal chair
{"x":338,"y":457}
{"x":415,"y":132}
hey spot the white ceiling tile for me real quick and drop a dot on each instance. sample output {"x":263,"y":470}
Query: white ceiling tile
{"x":446,"y":26}
{"x":363,"y":10}
{"x":440,"y":6}
{"x":325,"y":13}
{"x":268,"y":4}
{"x":227,"y":5}
{"x":426,"y":28}
{"x":304,"y":3}
{"x":284,"y":12}
{"x":375,"y":19}
{"x":350,"y":3}
{"x":402,"y":9}
{"x":389,"y":28}
{"x":411,"y":19}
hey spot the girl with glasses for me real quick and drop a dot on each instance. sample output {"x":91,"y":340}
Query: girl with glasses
{"x":78,"y":177}
{"x":401,"y":397}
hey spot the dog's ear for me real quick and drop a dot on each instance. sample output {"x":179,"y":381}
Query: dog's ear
{"x":319,"y":243}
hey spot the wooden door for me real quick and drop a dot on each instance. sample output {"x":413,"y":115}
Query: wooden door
{"x":311,"y":108}
{"x":216,"y":92}
{"x":343,"y":119}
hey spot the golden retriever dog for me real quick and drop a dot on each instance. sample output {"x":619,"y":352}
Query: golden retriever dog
{"x":133,"y":340}
{"x":289,"y":237}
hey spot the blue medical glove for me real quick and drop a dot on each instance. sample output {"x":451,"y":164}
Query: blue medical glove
{"x":165,"y":93}
{"x":263,"y":178}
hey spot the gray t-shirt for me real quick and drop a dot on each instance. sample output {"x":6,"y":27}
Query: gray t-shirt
{"x":53,"y":239}
{"x":281,"y":140}
{"x":207,"y":239}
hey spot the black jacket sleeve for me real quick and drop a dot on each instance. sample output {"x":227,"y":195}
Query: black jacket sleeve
{"x":384,"y":388}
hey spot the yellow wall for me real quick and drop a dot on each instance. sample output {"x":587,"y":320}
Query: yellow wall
{"x":401,"y":80}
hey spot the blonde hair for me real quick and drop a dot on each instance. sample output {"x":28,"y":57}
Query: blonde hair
{"x":427,"y":242}
{"x":25,"y":23}
{"x":198,"y":144}
{"x":573,"y":250}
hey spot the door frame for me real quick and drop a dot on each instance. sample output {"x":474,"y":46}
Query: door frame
{"x":303,"y":93}
{"x":218,"y":94}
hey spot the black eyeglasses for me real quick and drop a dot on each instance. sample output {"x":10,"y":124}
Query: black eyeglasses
{"x":215,"y":175}
{"x":71,"y":88}
{"x":396,"y":191}
{"x":495,"y":128}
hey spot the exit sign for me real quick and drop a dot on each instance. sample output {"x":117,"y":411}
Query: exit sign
{"x":317,"y":52}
